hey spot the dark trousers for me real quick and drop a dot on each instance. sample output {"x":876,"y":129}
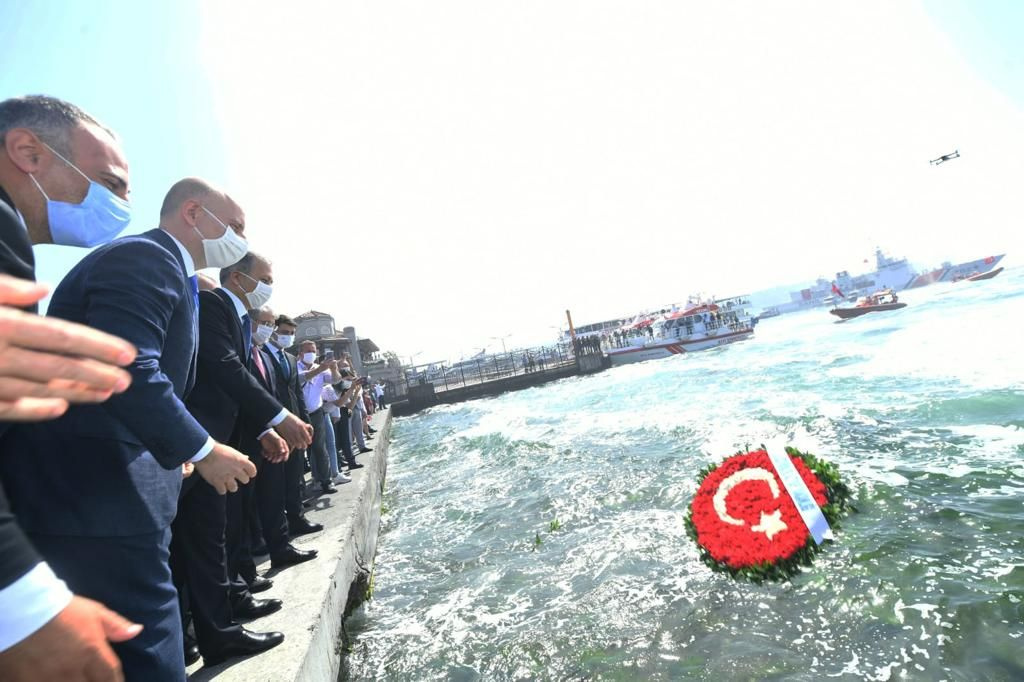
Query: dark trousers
{"x":199,"y":563}
{"x":271,"y":491}
{"x":237,"y":549}
{"x":343,"y":436}
{"x":130,"y":576}
{"x":294,"y":472}
{"x":318,"y":451}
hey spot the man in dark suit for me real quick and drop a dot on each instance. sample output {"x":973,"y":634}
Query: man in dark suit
{"x":289,"y":392}
{"x":262,"y":495}
{"x":225,"y":389}
{"x":46,"y":364}
{"x":98,"y":487}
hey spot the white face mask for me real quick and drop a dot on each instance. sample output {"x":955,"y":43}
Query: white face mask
{"x":259,"y":296}
{"x":226,"y":249}
{"x":262,"y":334}
{"x":285,"y":340}
{"x":308,"y":358}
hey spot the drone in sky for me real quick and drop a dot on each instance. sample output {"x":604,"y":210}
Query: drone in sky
{"x":946,"y":157}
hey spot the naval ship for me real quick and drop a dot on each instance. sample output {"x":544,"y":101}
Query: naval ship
{"x":890,"y":273}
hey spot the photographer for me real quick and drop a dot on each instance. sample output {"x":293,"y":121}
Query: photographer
{"x":346,"y":390}
{"x":313,"y":377}
{"x":333,"y":412}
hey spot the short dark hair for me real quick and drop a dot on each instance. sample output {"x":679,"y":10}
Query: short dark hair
{"x":51,"y":119}
{"x":284,"y":319}
{"x":244,"y":266}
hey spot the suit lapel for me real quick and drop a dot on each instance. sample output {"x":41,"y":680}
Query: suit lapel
{"x":236,"y":328}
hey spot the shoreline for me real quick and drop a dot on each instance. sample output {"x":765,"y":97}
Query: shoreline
{"x":319,"y":594}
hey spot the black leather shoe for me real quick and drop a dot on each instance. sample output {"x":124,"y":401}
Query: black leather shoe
{"x":357,"y":465}
{"x":304,"y":527}
{"x":256,"y":608}
{"x":289,"y":556}
{"x":246,"y":644}
{"x":191,"y":653}
{"x":260,"y":584}
{"x":361,"y":450}
{"x":327,"y":489}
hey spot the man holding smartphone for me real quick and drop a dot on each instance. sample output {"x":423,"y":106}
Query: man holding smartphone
{"x":313,"y":377}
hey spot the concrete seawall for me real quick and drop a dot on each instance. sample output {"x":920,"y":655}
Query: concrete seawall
{"x":317,"y":594}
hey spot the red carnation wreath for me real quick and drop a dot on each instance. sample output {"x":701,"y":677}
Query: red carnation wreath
{"x":745,"y":522}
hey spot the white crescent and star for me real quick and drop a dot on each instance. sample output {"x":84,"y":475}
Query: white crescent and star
{"x":769,"y":524}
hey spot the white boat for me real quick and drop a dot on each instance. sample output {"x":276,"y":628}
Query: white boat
{"x":698,"y":326}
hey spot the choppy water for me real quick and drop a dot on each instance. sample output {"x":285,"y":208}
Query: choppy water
{"x":922,"y":409}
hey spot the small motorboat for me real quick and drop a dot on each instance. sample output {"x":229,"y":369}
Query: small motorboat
{"x":875,"y":303}
{"x":985,"y":275}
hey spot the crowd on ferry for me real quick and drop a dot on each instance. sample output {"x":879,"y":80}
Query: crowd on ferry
{"x":157,"y":425}
{"x":708,"y":321}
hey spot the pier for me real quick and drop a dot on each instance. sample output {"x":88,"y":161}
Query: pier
{"x":319,"y":594}
{"x":437,"y":384}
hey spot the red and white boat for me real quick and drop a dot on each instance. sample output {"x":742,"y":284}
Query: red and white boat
{"x":698,"y":326}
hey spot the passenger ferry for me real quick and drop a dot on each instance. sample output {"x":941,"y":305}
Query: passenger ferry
{"x":698,"y":326}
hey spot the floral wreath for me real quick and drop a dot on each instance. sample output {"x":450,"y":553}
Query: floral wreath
{"x":745,"y":523}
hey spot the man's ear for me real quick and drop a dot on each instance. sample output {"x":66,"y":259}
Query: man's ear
{"x":25,"y":150}
{"x":190,"y":210}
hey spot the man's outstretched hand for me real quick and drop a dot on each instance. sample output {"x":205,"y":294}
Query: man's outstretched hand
{"x":46,"y":363}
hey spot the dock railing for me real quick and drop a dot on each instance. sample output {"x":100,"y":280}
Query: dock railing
{"x":445,"y":376}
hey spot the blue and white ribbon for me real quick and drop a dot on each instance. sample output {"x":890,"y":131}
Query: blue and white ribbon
{"x":794,"y":484}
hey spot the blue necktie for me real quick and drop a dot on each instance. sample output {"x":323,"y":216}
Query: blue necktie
{"x":247,"y":334}
{"x":194,"y":281}
{"x":286,"y":366}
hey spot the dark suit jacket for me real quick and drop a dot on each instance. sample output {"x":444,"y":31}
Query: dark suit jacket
{"x":249,"y":430}
{"x":289,"y":388}
{"x":114,"y":469}
{"x":224,"y":385}
{"x":17,"y":556}
{"x":16,"y":257}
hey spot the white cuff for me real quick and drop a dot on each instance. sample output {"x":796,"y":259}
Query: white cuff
{"x":29,"y":603}
{"x":264,"y":433}
{"x":203,"y":451}
{"x":276,"y":420}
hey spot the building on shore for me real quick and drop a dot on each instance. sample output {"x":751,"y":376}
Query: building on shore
{"x":367,"y":360}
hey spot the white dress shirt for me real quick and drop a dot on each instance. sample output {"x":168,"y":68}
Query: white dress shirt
{"x":330,"y":396}
{"x":313,"y":388}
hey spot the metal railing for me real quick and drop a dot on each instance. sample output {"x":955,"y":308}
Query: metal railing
{"x":478,"y":370}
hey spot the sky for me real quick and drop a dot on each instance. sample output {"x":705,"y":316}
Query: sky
{"x":442,"y":175}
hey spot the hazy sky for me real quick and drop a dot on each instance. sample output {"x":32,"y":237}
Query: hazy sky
{"x":442,"y":173}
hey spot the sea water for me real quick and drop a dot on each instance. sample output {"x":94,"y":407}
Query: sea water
{"x":539,"y":534}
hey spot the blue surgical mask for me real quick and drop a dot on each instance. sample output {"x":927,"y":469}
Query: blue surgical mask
{"x":100,"y":217}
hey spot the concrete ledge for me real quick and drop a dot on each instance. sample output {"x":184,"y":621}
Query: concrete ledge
{"x":318,"y":593}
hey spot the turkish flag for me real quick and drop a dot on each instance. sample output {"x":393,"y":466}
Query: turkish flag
{"x":835,"y":290}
